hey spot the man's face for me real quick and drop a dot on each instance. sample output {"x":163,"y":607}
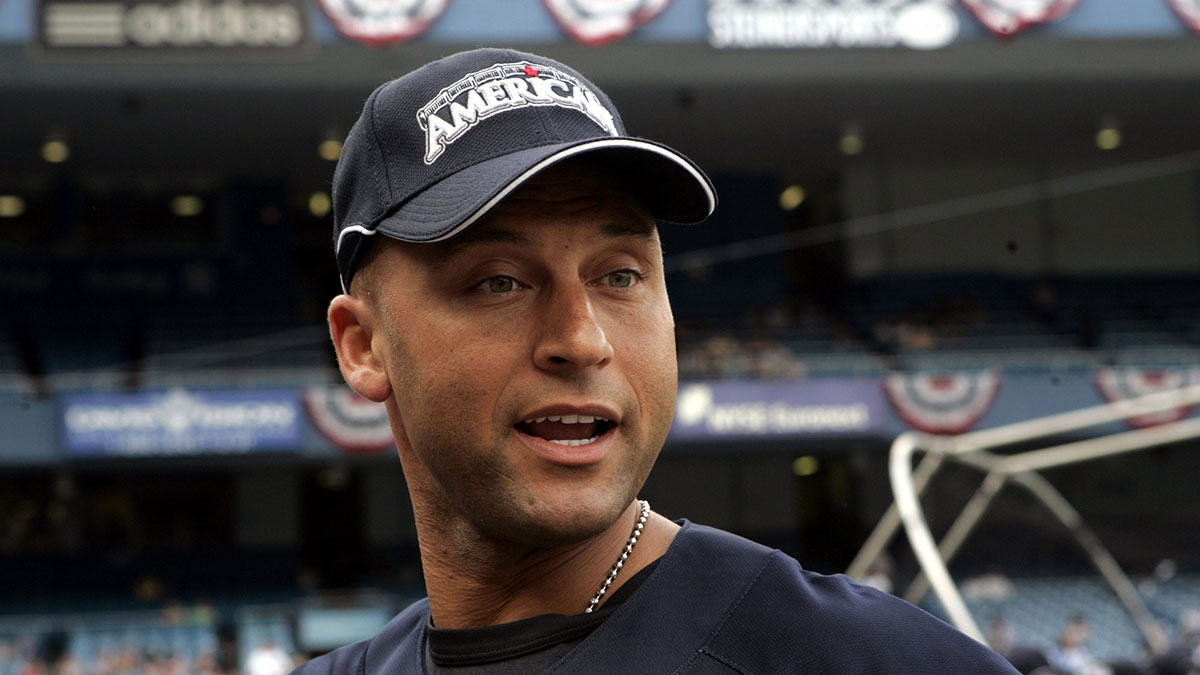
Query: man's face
{"x":532,"y":359}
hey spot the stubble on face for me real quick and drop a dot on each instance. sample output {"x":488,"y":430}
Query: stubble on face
{"x":449,"y":370}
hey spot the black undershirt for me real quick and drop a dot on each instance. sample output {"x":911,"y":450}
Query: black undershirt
{"x":524,"y":646}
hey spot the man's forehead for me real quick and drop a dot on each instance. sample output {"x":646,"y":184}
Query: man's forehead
{"x":497,"y":231}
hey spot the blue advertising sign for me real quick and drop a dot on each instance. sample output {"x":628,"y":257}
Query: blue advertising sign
{"x":179,"y":422}
{"x":716,"y":410}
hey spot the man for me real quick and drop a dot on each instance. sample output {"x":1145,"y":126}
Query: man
{"x":513,"y":317}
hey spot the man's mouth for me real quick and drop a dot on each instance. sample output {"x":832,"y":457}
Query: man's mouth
{"x":567,"y":429}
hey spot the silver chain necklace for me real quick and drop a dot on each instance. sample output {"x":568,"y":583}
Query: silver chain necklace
{"x":637,"y":532}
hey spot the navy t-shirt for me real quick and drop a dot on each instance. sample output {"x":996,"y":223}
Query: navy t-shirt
{"x":714,"y":603}
{"x":520,"y":647}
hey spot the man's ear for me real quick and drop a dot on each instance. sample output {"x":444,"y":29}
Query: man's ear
{"x":352,"y":325}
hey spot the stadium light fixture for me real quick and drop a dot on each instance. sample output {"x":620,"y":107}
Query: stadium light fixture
{"x":319,"y":204}
{"x":330,"y":147}
{"x":1108,"y":135}
{"x":806,"y":466}
{"x":851,"y":142}
{"x":791,"y":197}
{"x":56,"y":150}
{"x":185,"y":206}
{"x":11,"y":206}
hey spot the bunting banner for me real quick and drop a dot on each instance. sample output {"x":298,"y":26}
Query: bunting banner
{"x":1006,"y":18}
{"x":1189,"y":11}
{"x":598,"y":22}
{"x":349,"y":421}
{"x":1119,"y":384}
{"x":942,"y":403}
{"x":382,"y":22}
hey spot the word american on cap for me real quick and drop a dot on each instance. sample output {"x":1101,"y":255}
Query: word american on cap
{"x":500,"y":88}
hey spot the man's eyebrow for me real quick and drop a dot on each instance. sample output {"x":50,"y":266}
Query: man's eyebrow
{"x":630,"y":228}
{"x":442,"y":253}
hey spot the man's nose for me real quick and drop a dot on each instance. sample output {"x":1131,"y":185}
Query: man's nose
{"x":571,"y":335}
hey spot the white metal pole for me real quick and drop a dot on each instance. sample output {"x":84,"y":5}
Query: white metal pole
{"x":900,"y":469}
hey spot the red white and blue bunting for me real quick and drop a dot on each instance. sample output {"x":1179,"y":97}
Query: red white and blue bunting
{"x":1006,"y":18}
{"x":1119,"y":384}
{"x":1189,"y":11}
{"x":598,"y":22}
{"x":349,"y":421}
{"x":942,"y":403}
{"x":382,"y":22}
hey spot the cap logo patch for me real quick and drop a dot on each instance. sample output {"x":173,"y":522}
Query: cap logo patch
{"x":505,"y":86}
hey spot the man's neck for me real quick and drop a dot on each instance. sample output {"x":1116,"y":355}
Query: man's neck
{"x":475,"y":582}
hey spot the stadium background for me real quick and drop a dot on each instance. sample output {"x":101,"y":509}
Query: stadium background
{"x":949,"y":238}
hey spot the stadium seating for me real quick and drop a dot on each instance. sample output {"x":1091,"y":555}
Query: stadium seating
{"x":905,"y":323}
{"x":918,"y":323}
{"x":201,"y":351}
{"x":1038,"y":609}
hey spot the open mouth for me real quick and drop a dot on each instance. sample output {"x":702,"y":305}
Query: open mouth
{"x":569,"y":430}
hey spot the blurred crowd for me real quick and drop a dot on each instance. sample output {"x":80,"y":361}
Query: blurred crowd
{"x":727,"y":357}
{"x":1071,"y":656}
{"x":753,"y":345}
{"x":123,"y":646}
{"x":27,"y":655}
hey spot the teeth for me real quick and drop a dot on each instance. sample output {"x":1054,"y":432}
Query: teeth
{"x":583,"y":441}
{"x":566,"y":419}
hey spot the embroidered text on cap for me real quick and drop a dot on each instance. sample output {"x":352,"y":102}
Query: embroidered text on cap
{"x":500,"y":88}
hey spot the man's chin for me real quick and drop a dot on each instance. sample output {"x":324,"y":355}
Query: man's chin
{"x":550,"y":523}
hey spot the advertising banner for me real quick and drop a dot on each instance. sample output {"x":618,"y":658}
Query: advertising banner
{"x":179,"y":422}
{"x":818,"y":24}
{"x":719,"y":410}
{"x":239,"y":28}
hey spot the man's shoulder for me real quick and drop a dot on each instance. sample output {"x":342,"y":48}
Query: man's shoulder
{"x":777,"y":586}
{"x":784,"y":613}
{"x":399,"y":641}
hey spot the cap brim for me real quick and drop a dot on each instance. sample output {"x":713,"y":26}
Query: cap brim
{"x":669,"y":184}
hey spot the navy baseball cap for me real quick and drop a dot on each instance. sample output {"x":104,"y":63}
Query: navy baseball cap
{"x":434,"y":150}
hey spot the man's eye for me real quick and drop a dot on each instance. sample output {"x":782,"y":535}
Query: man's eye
{"x":500,"y":284}
{"x":622,"y":278}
